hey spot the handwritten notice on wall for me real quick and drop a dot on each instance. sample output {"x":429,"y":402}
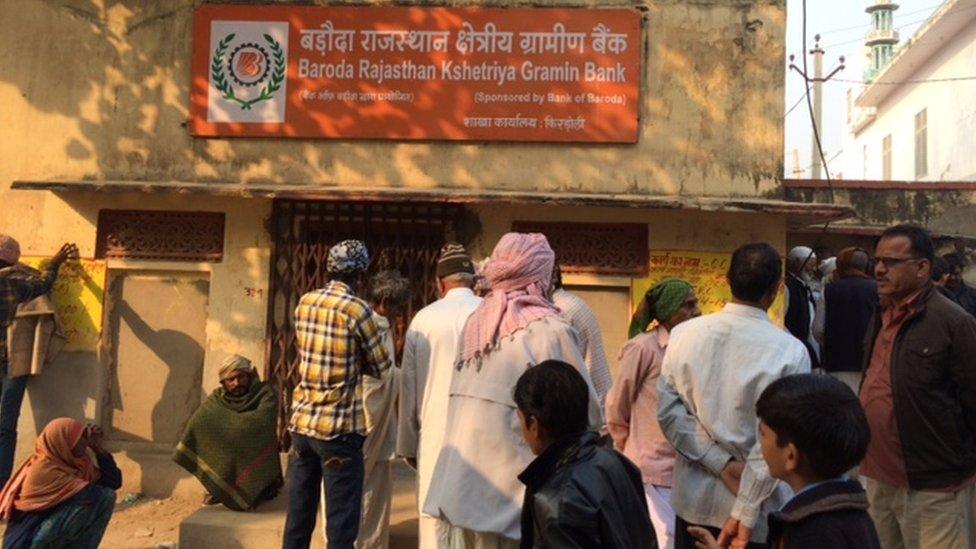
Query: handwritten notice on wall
{"x":78,"y":297}
{"x":704,"y":270}
{"x":520,"y":74}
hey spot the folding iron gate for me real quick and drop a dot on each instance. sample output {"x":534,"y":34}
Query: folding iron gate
{"x":404,"y":236}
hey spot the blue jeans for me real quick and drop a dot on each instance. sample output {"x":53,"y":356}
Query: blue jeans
{"x":11,"y":398}
{"x":339,"y":464}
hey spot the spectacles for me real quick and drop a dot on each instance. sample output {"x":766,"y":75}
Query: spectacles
{"x":890,"y":262}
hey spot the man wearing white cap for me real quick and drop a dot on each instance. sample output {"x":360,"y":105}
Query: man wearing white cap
{"x":801,"y":302}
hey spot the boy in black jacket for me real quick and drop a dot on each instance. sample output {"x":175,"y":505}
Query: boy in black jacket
{"x":578,"y":494}
{"x":812,"y":431}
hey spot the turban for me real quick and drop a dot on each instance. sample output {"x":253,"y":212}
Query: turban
{"x":519,"y":273}
{"x":9,"y":250}
{"x":348,"y":256}
{"x":659,"y":303}
{"x":454,"y":259}
{"x":232,"y":364}
{"x":799,"y":255}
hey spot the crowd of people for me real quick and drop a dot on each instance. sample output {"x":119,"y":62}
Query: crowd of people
{"x":855,"y":426}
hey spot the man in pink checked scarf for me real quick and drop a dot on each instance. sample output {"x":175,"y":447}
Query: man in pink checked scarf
{"x":475,"y":488}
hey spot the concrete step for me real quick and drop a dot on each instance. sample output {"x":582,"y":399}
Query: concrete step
{"x":217,"y":527}
{"x":153,"y":473}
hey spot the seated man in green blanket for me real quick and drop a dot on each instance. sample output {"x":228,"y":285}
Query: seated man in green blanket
{"x":231,"y":443}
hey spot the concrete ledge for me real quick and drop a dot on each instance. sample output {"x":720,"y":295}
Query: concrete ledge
{"x":217,"y":527}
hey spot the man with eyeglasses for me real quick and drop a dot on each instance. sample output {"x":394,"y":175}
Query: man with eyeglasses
{"x":919,"y":394}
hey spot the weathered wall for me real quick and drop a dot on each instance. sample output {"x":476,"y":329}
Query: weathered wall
{"x":78,"y":383}
{"x":99,"y":90}
{"x":667,"y":229}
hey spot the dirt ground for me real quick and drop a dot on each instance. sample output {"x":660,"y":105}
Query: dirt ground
{"x":147,"y":524}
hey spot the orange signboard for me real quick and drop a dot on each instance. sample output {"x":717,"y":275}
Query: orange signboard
{"x":417,"y":73}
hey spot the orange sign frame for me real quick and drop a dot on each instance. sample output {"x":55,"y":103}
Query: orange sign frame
{"x":417,"y":73}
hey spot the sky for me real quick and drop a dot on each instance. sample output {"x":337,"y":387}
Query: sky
{"x":842,"y":25}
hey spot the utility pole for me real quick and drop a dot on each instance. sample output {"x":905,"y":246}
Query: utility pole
{"x":817,"y":79}
{"x":817,"y":52}
{"x":797,"y":170}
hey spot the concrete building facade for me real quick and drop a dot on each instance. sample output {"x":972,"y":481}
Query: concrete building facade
{"x":95,"y":97}
{"x":915,"y":118}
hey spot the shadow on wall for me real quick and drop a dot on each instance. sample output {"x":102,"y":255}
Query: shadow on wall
{"x":157,"y":328}
{"x":116,"y":85}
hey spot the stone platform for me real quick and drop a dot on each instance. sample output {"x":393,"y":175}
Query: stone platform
{"x":216,"y":527}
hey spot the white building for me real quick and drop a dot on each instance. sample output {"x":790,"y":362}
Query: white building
{"x":915,"y":119}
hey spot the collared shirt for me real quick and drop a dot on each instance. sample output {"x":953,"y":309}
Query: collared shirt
{"x":429,"y":350}
{"x":884,"y":460}
{"x":714,"y":370}
{"x":582,"y":319}
{"x":338,"y":342}
{"x":632,"y":408}
{"x":19,"y":285}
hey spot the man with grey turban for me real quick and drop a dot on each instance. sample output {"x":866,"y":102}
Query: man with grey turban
{"x":633,"y":399}
{"x":231,"y":443}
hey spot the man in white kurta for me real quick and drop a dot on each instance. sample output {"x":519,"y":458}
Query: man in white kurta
{"x":475,"y":488}
{"x":428,"y":362}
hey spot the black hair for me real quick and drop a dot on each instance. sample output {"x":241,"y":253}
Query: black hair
{"x":954,"y":261}
{"x":557,"y":275}
{"x":349,"y":278}
{"x":921,"y":241}
{"x":822,"y":417}
{"x":556,"y":395}
{"x":755,"y":271}
{"x":389,"y":286}
{"x":940,"y":267}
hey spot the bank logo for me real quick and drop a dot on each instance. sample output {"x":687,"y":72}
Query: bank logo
{"x":248,"y":64}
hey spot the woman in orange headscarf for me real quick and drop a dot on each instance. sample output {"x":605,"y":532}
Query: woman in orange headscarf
{"x":58,"y":498}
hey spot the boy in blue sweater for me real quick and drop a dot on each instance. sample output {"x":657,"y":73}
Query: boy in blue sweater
{"x":812,"y":432}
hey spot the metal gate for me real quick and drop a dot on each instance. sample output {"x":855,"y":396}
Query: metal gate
{"x":404,"y":236}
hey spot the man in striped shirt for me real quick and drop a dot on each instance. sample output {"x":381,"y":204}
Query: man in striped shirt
{"x":339,"y":341}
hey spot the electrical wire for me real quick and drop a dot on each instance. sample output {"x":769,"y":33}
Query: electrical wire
{"x":816,"y":136}
{"x":795,"y":105}
{"x":813,"y":119}
{"x":900,"y":82}
{"x":900,"y":27}
{"x":865,"y":25}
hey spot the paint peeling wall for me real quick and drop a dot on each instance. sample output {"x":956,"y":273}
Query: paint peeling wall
{"x":98,"y":90}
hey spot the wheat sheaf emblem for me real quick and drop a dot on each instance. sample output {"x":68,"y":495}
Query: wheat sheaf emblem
{"x":249,"y":64}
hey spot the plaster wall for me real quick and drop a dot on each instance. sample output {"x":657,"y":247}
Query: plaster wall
{"x":98,"y":89}
{"x":950,"y":110}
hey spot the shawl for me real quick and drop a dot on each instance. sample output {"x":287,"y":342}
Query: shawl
{"x":519,"y":273}
{"x":52,"y":474}
{"x":231,"y":445}
{"x":659,"y":303}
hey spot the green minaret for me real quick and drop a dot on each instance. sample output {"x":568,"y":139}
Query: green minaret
{"x":882,"y":37}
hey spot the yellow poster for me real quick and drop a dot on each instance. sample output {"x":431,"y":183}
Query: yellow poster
{"x":78,"y":297}
{"x":704,"y":270}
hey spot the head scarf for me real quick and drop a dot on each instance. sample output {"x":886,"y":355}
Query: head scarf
{"x":828,"y":268}
{"x":799,"y":255}
{"x":348,"y":256}
{"x":9,"y":250}
{"x":845,"y":263}
{"x":53,"y":474}
{"x":519,"y":272}
{"x":232,"y":364}
{"x":659,"y":303}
